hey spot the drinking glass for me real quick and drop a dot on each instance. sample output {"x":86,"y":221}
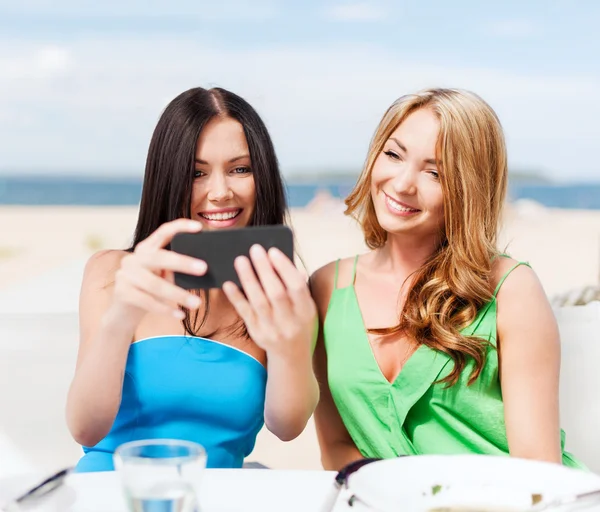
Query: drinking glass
{"x":161,"y":475}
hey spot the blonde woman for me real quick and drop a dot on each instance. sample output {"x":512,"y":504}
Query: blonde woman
{"x":434,"y":342}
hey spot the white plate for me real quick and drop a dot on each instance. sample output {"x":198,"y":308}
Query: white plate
{"x":490,"y":482}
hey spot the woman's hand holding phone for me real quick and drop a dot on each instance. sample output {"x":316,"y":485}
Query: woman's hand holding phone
{"x":277,"y":308}
{"x":145,"y":280}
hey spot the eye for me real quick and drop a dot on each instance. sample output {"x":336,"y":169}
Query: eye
{"x":199,"y":174}
{"x":241,"y":170}
{"x":435,"y":174}
{"x":392,"y":155}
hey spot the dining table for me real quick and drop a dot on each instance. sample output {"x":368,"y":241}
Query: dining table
{"x":221,"y":490}
{"x":423,"y":482}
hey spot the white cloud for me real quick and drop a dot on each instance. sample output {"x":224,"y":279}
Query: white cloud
{"x":365,"y":11}
{"x":51,"y":59}
{"x":512,"y":29}
{"x":37,"y":63}
{"x":94,"y":104}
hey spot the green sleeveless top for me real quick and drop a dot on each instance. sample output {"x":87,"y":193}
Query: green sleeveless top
{"x":414,"y":414}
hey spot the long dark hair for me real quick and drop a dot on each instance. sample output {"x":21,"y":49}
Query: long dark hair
{"x":169,"y":174}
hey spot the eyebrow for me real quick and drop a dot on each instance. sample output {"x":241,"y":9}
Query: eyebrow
{"x":235,"y":159}
{"x":431,"y":161}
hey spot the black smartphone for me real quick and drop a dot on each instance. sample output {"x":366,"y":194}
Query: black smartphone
{"x":220,"y":248}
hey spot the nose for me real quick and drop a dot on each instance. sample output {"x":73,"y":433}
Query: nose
{"x":405,"y":181}
{"x":218,"y":188}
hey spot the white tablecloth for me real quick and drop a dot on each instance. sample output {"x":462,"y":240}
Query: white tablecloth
{"x":223,"y":490}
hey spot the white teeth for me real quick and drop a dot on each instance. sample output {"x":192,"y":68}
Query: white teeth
{"x":220,"y":216}
{"x":399,"y":207}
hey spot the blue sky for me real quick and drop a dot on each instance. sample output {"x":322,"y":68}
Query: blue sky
{"x":82,"y":83}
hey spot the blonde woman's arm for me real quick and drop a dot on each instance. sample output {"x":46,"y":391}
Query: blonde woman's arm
{"x":529,"y":349}
{"x":337,"y":447}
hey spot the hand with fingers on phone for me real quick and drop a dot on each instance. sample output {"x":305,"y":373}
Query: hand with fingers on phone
{"x":281,"y":318}
{"x":276,"y":304}
{"x":144,"y":282}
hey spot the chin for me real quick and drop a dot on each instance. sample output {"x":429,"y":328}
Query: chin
{"x":397,"y":230}
{"x":397,"y":226}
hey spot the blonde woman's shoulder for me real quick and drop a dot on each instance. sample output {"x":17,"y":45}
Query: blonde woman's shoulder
{"x":326,"y":274}
{"x":513,"y":277}
{"x":323,"y":280}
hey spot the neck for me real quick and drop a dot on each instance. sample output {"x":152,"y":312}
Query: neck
{"x":403,"y":254}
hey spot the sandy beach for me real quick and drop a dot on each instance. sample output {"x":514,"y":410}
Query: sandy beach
{"x":563,"y":246}
{"x":42,"y":253}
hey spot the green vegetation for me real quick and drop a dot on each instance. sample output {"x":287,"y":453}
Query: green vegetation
{"x":94,"y":242}
{"x":8,"y":252}
{"x":530,"y":177}
{"x":349,"y":176}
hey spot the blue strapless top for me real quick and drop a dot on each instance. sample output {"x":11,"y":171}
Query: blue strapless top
{"x":183,"y":387}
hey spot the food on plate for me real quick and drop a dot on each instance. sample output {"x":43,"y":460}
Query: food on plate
{"x":478,"y":499}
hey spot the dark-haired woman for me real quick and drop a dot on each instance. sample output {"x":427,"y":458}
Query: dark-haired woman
{"x":155,"y":361}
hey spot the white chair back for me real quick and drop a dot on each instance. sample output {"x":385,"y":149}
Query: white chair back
{"x":37,"y":361}
{"x":580,"y":381}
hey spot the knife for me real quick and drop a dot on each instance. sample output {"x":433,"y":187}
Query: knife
{"x":40,"y":490}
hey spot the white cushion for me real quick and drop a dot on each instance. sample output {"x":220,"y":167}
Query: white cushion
{"x":580,"y":381}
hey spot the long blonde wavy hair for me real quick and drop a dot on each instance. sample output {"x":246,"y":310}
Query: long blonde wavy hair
{"x":448,"y":290}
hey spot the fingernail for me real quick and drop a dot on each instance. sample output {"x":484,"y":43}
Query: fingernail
{"x":193,"y":302}
{"x":179,"y":314}
{"x":273,"y":251}
{"x":199,"y":267}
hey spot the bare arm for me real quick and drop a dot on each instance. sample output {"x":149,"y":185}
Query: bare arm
{"x":291,"y":396}
{"x":95,"y":393}
{"x":337,"y":447}
{"x":280,"y":316}
{"x":530,"y":365}
{"x":118,"y":289}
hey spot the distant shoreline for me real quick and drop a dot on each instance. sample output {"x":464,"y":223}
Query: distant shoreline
{"x":126,"y":191}
{"x":290,"y":177}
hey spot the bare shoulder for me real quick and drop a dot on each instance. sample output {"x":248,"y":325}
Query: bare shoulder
{"x":518,"y":279}
{"x":321,"y":286}
{"x":96,"y":290}
{"x":322,"y":281}
{"x":101,"y":267}
{"x":524,"y":311}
